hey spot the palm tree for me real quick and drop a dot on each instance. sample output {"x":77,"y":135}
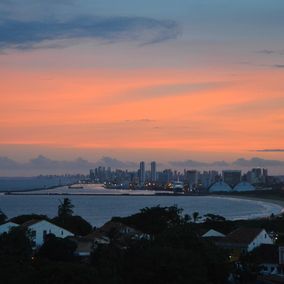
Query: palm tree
{"x":195,"y":216}
{"x":65,"y":208}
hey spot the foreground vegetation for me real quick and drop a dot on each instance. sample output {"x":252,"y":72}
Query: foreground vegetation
{"x":174,"y":253}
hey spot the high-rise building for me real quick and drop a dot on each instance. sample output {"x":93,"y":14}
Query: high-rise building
{"x":166,"y":176}
{"x":153,"y":171}
{"x":142,"y":173}
{"x":257,"y":175}
{"x":191,"y":177}
{"x":232,"y":177}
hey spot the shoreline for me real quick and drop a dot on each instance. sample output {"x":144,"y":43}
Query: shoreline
{"x":275,"y":206}
{"x":274,"y":201}
{"x":261,"y":199}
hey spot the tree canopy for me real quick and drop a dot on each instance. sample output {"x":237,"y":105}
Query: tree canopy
{"x":57,"y":249}
{"x":65,"y":208}
{"x":155,"y":220}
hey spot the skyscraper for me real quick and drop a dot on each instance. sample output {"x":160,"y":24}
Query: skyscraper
{"x":142,"y":173}
{"x":232,"y":177}
{"x":191,"y":178}
{"x":153,"y":171}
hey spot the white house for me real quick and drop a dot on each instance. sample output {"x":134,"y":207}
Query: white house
{"x":5,"y":228}
{"x":40,"y":228}
{"x":246,"y":239}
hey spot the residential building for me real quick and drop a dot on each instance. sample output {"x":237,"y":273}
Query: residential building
{"x":245,"y":240}
{"x":6,"y":227}
{"x":40,"y":228}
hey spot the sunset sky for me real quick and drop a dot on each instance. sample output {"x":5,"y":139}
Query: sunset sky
{"x":151,"y":79}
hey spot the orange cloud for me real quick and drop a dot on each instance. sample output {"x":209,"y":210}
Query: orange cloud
{"x":198,"y":110}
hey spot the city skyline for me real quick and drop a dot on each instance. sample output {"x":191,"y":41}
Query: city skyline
{"x":42,"y":165}
{"x":133,"y":80}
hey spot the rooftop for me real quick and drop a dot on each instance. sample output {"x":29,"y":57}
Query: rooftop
{"x":243,"y":235}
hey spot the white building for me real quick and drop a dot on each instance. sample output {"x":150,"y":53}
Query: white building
{"x":5,"y":228}
{"x":243,"y":187}
{"x":220,"y":186}
{"x":246,"y":239}
{"x":40,"y":228}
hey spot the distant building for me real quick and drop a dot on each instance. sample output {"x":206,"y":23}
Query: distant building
{"x":166,"y":176}
{"x":220,"y":186}
{"x":191,"y":177}
{"x":232,"y":177}
{"x":153,"y":171}
{"x":243,"y":187}
{"x":258,"y":175}
{"x":142,"y":173}
{"x":207,"y":178}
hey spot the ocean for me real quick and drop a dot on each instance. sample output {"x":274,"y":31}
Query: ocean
{"x":99,"y":209}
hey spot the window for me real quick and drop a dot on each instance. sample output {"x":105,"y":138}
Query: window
{"x":33,"y":234}
{"x":61,"y":233}
{"x":265,"y":236}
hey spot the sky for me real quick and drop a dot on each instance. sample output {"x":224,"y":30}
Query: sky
{"x":142,"y":80}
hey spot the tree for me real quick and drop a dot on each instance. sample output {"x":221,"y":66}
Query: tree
{"x":57,"y":249}
{"x":65,"y":209}
{"x":64,"y":272}
{"x":175,"y":256}
{"x":154,"y":220}
{"x":16,"y":243}
{"x":3,"y":217}
{"x":196,"y":217}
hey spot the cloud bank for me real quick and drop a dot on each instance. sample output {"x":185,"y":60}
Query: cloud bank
{"x":30,"y":34}
{"x":44,"y":165}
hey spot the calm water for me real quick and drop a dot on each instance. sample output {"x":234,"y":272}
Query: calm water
{"x":99,"y":209}
{"x":25,"y":183}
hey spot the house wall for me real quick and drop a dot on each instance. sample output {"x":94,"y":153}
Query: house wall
{"x":262,"y":238}
{"x":269,"y":268}
{"x":5,"y":228}
{"x":40,"y":229}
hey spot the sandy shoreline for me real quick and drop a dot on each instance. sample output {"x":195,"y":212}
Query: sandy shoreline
{"x":267,"y":200}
